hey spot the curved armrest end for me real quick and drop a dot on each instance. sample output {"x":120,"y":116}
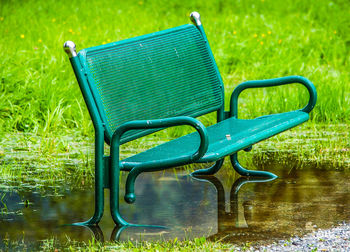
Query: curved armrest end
{"x":163,"y":123}
{"x":271,"y":83}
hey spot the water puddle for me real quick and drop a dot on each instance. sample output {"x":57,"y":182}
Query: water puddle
{"x":218,"y":208}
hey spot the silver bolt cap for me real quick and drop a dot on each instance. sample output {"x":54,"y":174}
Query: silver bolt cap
{"x":69,"y":48}
{"x":196,"y":18}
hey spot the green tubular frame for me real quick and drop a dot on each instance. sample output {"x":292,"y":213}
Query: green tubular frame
{"x":99,"y":143}
{"x":107,"y":168}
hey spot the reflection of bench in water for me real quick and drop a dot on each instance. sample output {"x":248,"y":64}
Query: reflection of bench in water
{"x":141,"y":232}
{"x":233,"y":221}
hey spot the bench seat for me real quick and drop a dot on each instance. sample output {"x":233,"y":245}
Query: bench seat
{"x":225,"y":138}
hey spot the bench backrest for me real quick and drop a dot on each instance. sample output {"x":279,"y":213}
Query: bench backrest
{"x":159,"y":75}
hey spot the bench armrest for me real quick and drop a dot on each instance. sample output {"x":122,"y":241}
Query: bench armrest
{"x":167,"y":122}
{"x":271,"y":83}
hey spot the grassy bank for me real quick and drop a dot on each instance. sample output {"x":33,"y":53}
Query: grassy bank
{"x":69,"y":160}
{"x":249,"y":39}
{"x":199,"y":244}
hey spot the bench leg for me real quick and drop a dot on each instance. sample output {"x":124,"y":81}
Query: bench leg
{"x":211,"y":170}
{"x":99,"y":193}
{"x":114,"y":188}
{"x":249,"y":173}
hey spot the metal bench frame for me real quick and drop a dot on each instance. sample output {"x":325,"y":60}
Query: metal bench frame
{"x":107,"y":168}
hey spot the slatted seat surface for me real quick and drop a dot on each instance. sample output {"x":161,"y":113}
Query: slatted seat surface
{"x":225,"y":138}
{"x":159,"y":75}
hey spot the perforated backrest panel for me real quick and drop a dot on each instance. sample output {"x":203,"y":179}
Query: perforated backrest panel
{"x":159,"y":75}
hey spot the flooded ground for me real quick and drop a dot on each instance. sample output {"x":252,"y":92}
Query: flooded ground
{"x":219,"y":208}
{"x":46,"y":183}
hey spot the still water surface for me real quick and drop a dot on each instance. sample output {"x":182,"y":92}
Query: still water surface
{"x":240,"y":211}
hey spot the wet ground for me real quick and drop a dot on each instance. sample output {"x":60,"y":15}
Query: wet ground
{"x":219,"y":208}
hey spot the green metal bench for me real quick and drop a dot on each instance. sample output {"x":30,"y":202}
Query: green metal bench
{"x":141,"y":85}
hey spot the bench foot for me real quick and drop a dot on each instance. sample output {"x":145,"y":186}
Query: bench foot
{"x":211,"y":170}
{"x":249,"y":173}
{"x":90,"y":222}
{"x":99,"y":208}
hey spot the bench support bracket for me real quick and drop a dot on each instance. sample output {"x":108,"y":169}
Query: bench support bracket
{"x":249,"y":173}
{"x":211,"y":170}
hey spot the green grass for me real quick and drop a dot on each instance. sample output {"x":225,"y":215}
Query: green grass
{"x":249,"y":39}
{"x":198,"y":244}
